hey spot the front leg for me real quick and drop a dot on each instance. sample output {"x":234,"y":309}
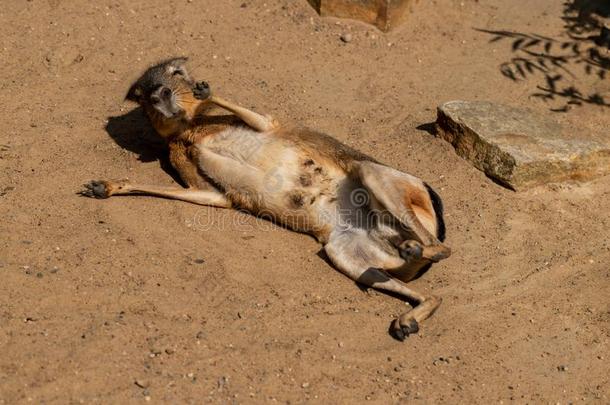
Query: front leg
{"x":258,"y":122}
{"x":105,"y":189}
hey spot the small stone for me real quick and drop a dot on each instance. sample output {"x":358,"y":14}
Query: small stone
{"x":199,"y":261}
{"x":142,"y":383}
{"x":305,"y":385}
{"x":520,"y":149}
{"x":222,"y":382}
{"x":169,"y":350}
{"x":346,"y":37}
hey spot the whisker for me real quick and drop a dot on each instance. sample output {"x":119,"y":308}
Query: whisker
{"x":194,"y":69}
{"x":188,"y":102}
{"x":182,"y":93}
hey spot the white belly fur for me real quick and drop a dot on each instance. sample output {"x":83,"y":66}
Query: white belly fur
{"x":269,"y":170}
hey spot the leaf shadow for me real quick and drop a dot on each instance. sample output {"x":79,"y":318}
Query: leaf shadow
{"x":582,"y":50}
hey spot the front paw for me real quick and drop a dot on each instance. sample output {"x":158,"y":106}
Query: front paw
{"x":202,"y":90}
{"x":96,"y":189}
{"x":102,"y":188}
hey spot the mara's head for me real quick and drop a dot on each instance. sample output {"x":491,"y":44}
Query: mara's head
{"x":165,"y":92}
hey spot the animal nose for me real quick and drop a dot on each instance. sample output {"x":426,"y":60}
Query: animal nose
{"x":166,"y":93}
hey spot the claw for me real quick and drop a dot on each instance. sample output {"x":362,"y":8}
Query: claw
{"x":411,"y":250}
{"x":201,"y":90}
{"x":400,"y":331}
{"x":95,"y":189}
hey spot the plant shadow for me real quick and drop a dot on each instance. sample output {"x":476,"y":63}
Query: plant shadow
{"x":582,"y":47}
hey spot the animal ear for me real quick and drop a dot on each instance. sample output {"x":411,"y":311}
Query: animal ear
{"x":179,"y":63}
{"x":134,"y":94}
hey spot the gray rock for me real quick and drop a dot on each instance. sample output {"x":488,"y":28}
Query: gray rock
{"x":518,"y":148}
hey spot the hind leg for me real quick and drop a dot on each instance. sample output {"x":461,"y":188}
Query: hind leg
{"x":358,"y":256}
{"x":408,"y":322}
{"x":408,"y":200}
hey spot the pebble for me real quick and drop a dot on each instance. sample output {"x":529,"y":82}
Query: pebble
{"x":346,"y":37}
{"x":142,"y":383}
{"x":199,"y":261}
{"x":305,"y":385}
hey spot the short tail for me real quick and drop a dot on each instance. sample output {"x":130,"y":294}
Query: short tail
{"x":437,"y":204}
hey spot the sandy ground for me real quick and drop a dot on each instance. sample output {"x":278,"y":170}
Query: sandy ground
{"x":134,"y":299}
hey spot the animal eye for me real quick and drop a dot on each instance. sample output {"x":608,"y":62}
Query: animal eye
{"x":166,"y":93}
{"x":178,"y":72}
{"x":155,"y":99}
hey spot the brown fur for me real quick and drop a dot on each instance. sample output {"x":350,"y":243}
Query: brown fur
{"x":301,"y":178}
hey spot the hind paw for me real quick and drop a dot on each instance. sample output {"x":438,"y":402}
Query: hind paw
{"x":411,"y":250}
{"x":401,"y":329}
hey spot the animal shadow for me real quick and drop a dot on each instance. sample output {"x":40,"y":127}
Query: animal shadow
{"x":133,"y":132}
